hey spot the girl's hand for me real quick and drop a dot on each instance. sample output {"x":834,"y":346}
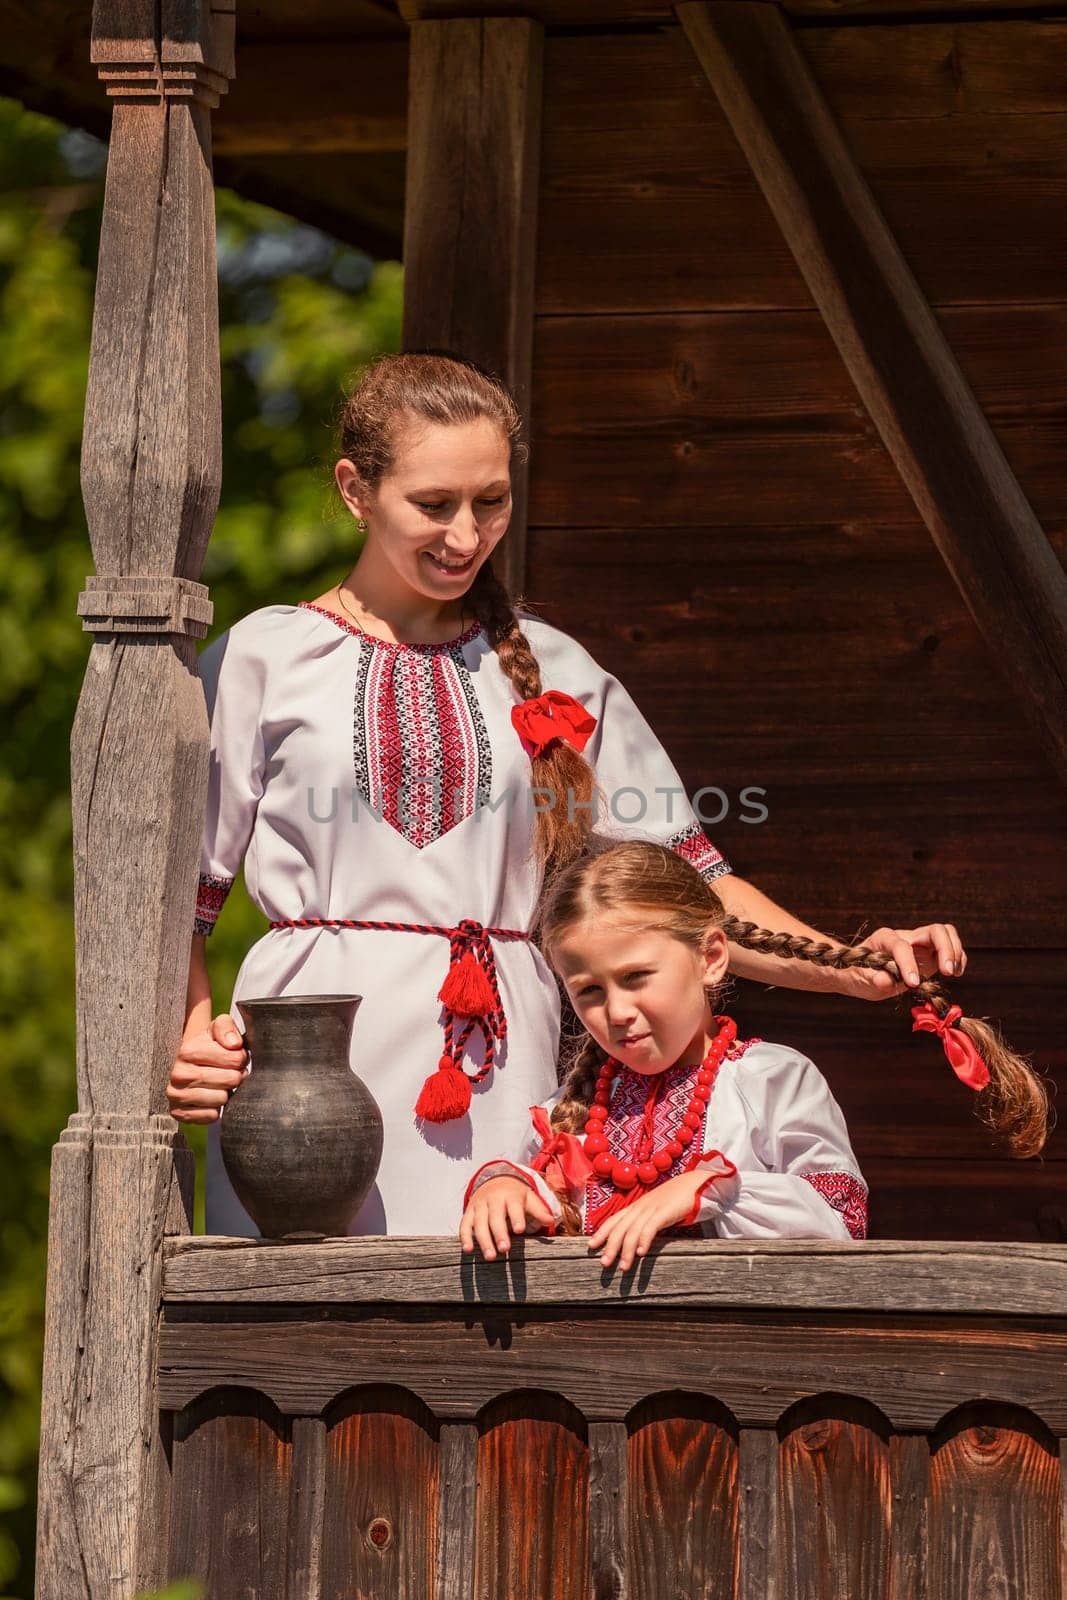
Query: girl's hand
{"x":918,"y":952}
{"x":496,"y":1206}
{"x":209,"y":1065}
{"x":629,"y":1233}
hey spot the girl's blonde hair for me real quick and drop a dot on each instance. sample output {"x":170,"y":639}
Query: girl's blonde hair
{"x":439,"y":387}
{"x":649,"y":880}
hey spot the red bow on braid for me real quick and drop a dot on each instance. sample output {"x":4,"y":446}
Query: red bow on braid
{"x":470,"y":990}
{"x":561,"y":1151}
{"x":551,"y":716}
{"x":960,"y":1050}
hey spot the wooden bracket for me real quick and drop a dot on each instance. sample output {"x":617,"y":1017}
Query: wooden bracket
{"x":153,"y":604}
{"x":186,"y":52}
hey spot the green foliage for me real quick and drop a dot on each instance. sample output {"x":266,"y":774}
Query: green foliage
{"x":300,"y":315}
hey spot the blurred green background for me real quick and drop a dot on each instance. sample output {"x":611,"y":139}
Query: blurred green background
{"x":300,"y":316}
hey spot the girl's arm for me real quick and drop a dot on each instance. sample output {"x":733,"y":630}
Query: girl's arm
{"x":919,"y":952}
{"x":509,"y":1196}
{"x":813,"y":1188}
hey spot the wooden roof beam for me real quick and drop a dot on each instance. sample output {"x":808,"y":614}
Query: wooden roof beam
{"x":471,"y":209}
{"x":615,"y":13}
{"x":897,"y":356}
{"x":338,"y":97}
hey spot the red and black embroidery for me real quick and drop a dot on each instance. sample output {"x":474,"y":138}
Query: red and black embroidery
{"x":420,"y":747}
{"x":210,"y":897}
{"x":845,"y":1192}
{"x":623,"y":1126}
{"x":694,"y":846}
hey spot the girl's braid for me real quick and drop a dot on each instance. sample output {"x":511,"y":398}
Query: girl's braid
{"x":1014,"y":1103}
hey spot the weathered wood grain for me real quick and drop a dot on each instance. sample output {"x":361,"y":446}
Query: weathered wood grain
{"x":903,"y":369}
{"x":746,"y":373}
{"x":150,"y":479}
{"x":835,"y":1501}
{"x":756,"y":1364}
{"x":380,"y":1523}
{"x":994,"y":1507}
{"x":671,"y":218}
{"x":891,"y":1276}
{"x":610,"y":1513}
{"x":909,"y":1482}
{"x":758,"y":1558}
{"x":307,"y":1501}
{"x":683,"y":1489}
{"x":456,"y":1518}
{"x":232,"y":1460}
{"x":532,"y":1505}
{"x":474,"y":143}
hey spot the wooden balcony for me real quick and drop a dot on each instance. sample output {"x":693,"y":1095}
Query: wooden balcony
{"x":382,"y":1417}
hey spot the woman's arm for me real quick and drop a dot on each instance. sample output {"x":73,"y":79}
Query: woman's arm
{"x":918,"y":952}
{"x":211,"y":1059}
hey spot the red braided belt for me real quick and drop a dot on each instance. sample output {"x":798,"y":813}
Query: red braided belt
{"x":470,"y":991}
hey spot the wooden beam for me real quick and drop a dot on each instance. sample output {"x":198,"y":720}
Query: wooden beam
{"x":331,"y":97}
{"x":898,"y":358}
{"x":620,"y":13}
{"x":878,"y":1276}
{"x":470,"y":233}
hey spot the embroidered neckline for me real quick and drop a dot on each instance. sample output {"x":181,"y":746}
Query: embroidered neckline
{"x":357,"y":632}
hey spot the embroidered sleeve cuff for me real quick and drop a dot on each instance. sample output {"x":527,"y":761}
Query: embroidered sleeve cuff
{"x":727,"y":1185}
{"x":502,"y":1168}
{"x":210,"y":898}
{"x":845,"y":1193}
{"x":694,"y":846}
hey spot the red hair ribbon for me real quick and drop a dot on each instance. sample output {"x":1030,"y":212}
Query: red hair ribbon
{"x":551,"y":716}
{"x":962,"y":1056}
{"x":563,"y":1151}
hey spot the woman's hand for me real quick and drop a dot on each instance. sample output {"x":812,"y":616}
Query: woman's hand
{"x":918,"y":952}
{"x":495,"y":1207}
{"x":207,"y":1068}
{"x":629,"y":1233}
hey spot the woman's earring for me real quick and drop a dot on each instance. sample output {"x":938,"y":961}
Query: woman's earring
{"x":361,"y":524}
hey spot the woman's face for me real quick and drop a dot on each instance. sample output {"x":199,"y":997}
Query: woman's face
{"x":437,"y":515}
{"x":640,"y":991}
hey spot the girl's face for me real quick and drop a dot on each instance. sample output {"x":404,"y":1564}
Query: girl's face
{"x":639,"y":991}
{"x":437,"y":514}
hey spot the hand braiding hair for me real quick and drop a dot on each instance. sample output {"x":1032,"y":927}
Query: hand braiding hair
{"x":1014,"y":1104}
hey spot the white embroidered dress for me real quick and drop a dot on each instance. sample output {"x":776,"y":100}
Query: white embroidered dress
{"x":380,"y":782}
{"x":773,"y":1143}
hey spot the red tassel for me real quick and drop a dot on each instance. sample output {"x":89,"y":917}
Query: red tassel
{"x":466,"y":990}
{"x":445,"y":1095}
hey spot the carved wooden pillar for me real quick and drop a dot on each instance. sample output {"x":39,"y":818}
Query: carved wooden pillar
{"x":150,"y":477}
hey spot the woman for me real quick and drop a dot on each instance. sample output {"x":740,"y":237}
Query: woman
{"x":397,"y":762}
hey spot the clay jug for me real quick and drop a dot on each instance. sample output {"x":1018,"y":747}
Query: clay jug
{"x":301,"y":1137}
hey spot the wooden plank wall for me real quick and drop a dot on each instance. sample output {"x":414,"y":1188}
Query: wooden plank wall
{"x":714,"y":516}
{"x":653,"y":1486}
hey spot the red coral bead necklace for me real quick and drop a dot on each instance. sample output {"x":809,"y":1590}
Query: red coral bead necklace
{"x":648,"y":1164}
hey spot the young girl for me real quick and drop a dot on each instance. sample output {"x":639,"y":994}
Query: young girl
{"x":667,"y":1119}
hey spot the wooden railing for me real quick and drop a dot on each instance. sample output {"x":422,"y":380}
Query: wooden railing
{"x":382,"y":1417}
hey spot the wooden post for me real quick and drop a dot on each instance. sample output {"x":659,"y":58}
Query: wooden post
{"x":470,"y":229}
{"x":897,"y":356}
{"x":150,"y":476}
